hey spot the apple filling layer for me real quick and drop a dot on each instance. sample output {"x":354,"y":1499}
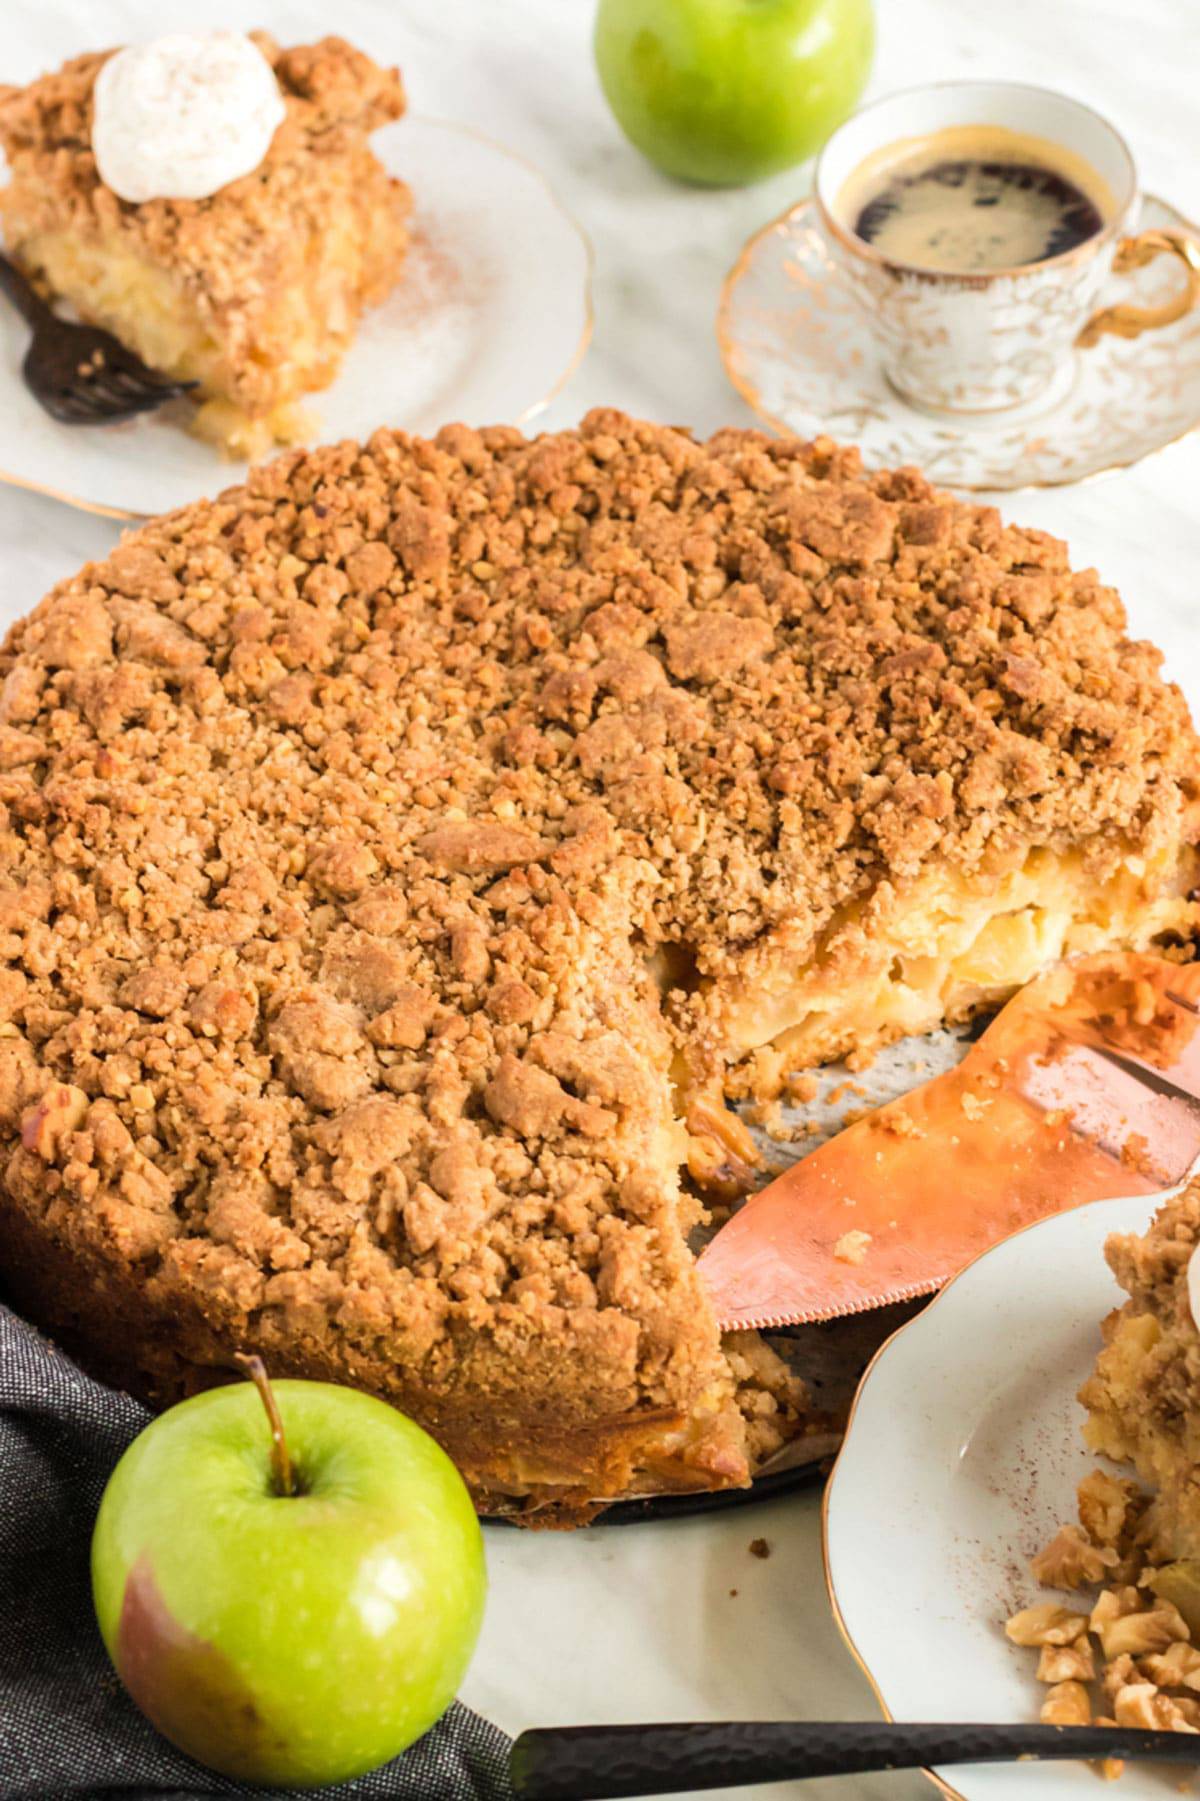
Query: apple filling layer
{"x":951,"y":946}
{"x":151,"y":312}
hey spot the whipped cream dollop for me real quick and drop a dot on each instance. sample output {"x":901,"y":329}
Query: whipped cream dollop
{"x":182,"y":116}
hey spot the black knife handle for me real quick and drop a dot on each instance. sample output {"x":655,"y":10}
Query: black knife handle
{"x":599,"y":1763}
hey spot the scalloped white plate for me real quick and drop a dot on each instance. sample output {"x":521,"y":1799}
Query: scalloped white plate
{"x":466,"y":335}
{"x":961,"y":1459}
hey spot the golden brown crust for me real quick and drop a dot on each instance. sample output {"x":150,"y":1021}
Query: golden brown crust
{"x":240,"y":255}
{"x":342,"y":817}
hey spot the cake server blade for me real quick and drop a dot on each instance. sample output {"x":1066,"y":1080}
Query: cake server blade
{"x":1085,"y":1086}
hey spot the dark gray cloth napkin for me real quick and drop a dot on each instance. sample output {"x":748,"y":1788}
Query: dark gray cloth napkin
{"x":67,"y":1730}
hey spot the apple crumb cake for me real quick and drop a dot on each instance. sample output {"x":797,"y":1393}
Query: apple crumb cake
{"x":256,"y":292}
{"x":1143,"y":1398}
{"x":403,"y":854}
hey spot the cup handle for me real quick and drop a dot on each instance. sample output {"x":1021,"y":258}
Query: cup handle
{"x":1134,"y":253}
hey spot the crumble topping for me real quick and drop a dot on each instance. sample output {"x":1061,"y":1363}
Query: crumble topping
{"x":1152,"y":1267}
{"x":378,"y":840}
{"x":852,"y":1247}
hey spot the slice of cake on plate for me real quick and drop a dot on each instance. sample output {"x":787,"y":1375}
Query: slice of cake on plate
{"x":1143,"y":1398}
{"x":247,"y":276}
{"x":402,"y":856}
{"x":1125,"y":1651}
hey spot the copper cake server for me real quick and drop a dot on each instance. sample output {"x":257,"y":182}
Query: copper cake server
{"x":1086,"y":1085}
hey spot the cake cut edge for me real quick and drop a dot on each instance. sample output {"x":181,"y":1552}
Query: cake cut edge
{"x":1143,"y":1397}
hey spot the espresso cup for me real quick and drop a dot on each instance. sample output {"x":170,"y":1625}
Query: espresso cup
{"x":987,"y":340}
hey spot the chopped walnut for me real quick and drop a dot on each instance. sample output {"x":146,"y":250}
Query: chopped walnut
{"x":1113,"y":1604}
{"x":1070,"y":1560}
{"x":1140,"y":1704}
{"x":1176,"y":1667}
{"x":1109,"y":1509}
{"x":1138,"y":1633}
{"x":1067,"y":1704}
{"x":1046,"y":1624}
{"x":1118,"y":1675}
{"x":1144,"y":1639}
{"x":1067,"y":1663}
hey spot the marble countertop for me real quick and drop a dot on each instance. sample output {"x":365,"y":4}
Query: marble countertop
{"x":564,"y":1639}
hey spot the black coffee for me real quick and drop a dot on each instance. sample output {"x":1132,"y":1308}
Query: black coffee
{"x":968,"y":212}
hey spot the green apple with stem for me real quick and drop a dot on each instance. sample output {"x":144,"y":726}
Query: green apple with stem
{"x":289,"y":1579}
{"x":725,"y":92}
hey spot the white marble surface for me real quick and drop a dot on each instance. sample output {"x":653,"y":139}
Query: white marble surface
{"x":641,"y":1623}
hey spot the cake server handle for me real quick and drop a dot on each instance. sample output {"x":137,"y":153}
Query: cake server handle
{"x":594,"y":1763}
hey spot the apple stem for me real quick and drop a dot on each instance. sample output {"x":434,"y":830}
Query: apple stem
{"x":281,"y":1463}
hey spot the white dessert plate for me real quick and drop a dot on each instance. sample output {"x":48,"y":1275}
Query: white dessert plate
{"x":961,"y":1460}
{"x":798,"y":347}
{"x":466,"y":335}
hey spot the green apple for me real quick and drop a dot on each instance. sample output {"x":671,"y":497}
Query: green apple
{"x":291,"y":1607}
{"x":725,"y":92}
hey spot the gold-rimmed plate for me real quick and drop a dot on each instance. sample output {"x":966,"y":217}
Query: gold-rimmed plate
{"x":797,"y":346}
{"x":466,"y":335}
{"x":960,"y":1461}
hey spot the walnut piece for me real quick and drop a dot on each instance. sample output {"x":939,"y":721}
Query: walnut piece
{"x":1140,"y":1704}
{"x":1135,"y":1634}
{"x":1109,"y":1509}
{"x":1046,"y":1624}
{"x":1176,"y":1667}
{"x":1147,"y":1653}
{"x":1066,"y":1704}
{"x":1067,"y":1663}
{"x":1070,"y":1560}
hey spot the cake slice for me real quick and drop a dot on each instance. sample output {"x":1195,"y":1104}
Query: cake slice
{"x":255,"y":293}
{"x":1143,"y":1398}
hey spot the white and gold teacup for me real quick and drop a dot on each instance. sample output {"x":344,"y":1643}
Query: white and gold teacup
{"x":985,"y":340}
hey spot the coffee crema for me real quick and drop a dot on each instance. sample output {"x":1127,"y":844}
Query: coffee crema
{"x":973,"y":198}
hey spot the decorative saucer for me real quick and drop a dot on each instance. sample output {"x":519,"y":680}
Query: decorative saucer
{"x":453,"y":341}
{"x":798,"y":348}
{"x":971,"y":1411}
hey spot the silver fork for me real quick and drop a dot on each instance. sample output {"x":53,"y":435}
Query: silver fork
{"x":78,"y":373}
